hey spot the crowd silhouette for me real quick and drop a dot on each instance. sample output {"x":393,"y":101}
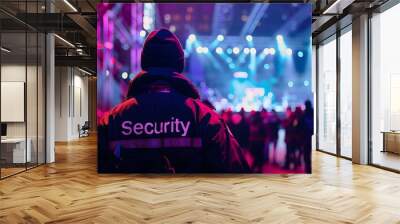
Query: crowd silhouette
{"x":260,"y":132}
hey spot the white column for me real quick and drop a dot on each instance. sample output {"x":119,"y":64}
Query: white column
{"x":360,"y":90}
{"x":50,"y":92}
{"x":50,"y":99}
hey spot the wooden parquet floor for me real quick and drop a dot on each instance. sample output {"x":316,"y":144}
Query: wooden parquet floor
{"x":70,"y":191}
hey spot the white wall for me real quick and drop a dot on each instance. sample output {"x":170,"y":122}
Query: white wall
{"x":71,"y":102}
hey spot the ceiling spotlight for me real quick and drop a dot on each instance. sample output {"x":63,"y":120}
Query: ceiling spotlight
{"x":246,"y":50}
{"x":199,"y":50}
{"x":229,"y":50}
{"x":220,"y":37}
{"x":266,"y":51}
{"x":219,"y":50}
{"x":279,"y":38}
{"x":300,"y":54}
{"x":249,"y":38}
{"x":236,"y":50}
{"x":272,"y":51}
{"x":289,"y":52}
{"x":253,"y":50}
{"x":205,"y":50}
{"x":192,"y":37}
{"x":290,"y":84}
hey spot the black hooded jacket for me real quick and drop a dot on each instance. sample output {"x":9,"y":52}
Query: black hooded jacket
{"x":206,"y":146}
{"x":163,"y":127}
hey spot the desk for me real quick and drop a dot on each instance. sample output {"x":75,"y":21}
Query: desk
{"x":15,"y":148}
{"x":391,"y":141}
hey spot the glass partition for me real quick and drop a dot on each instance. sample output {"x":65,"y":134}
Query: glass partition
{"x":327,"y":96}
{"x":385,"y":89}
{"x":13,"y":103}
{"x":22,"y":88}
{"x":346,"y":94}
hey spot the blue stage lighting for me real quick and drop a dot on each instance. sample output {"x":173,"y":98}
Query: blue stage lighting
{"x":205,"y":50}
{"x":246,"y":50}
{"x":192,"y":37}
{"x":240,"y":75}
{"x":249,"y":38}
{"x":266,"y":51}
{"x":306,"y":83}
{"x":229,"y":50}
{"x":228,"y":59}
{"x":231,"y":66}
{"x":289,"y":52}
{"x":279,"y":38}
{"x":219,"y":50}
{"x":267,"y":66}
{"x":270,"y":94}
{"x":300,"y":54}
{"x":236,"y":50}
{"x":272,"y":51}
{"x":220,"y":37}
{"x":253,"y":50}
{"x":290,"y":84}
{"x":199,"y":50}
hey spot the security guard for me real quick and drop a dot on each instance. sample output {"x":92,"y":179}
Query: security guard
{"x":162,"y":126}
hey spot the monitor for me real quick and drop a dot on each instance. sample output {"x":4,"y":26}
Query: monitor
{"x":3,"y":129}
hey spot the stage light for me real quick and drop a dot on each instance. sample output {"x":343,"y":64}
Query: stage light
{"x":107,"y":72}
{"x":249,"y":38}
{"x":205,"y":50}
{"x":124,"y":75}
{"x":290,"y":84}
{"x":306,"y":83}
{"x":236,"y":50}
{"x":241,"y":75}
{"x":267,"y":66}
{"x":279,"y":38}
{"x":219,"y":50}
{"x":270,"y":94}
{"x":229,"y":50}
{"x":229,"y":60}
{"x":142,"y":33}
{"x":289,"y":52}
{"x":266,"y":51}
{"x":300,"y":54}
{"x":220,"y":37}
{"x":253,"y":50}
{"x":192,"y":37}
{"x":199,"y":50}
{"x":246,"y":50}
{"x":272,"y":51}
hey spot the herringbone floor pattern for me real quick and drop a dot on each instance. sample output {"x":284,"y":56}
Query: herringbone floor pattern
{"x":70,"y":191}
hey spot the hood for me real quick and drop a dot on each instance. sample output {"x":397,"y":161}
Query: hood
{"x":142,"y":82}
